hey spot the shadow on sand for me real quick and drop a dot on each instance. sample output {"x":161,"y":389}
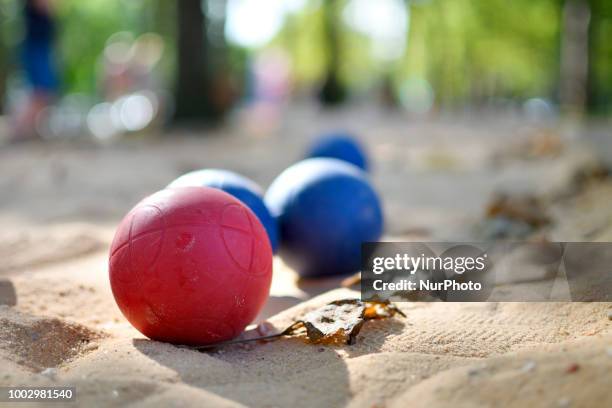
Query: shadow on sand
{"x":284,"y":372}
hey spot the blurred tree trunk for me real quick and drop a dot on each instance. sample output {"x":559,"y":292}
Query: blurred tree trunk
{"x":223,"y":84}
{"x":3,"y":73}
{"x":592,"y":91}
{"x":192,"y":87}
{"x":599,"y":88}
{"x":2,"y":87}
{"x":574,"y":56}
{"x":202,"y":85}
{"x":333,"y":91}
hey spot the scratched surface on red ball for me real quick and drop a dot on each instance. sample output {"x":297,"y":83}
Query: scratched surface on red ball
{"x":190,"y":265}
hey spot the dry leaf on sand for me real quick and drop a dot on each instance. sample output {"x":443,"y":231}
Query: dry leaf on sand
{"x":335,"y":323}
{"x":338,"y":322}
{"x":524,"y":208}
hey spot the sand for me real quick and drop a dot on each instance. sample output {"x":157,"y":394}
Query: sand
{"x":59,"y":323}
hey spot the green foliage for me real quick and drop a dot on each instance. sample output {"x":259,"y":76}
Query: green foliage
{"x":470,"y":49}
{"x":84,"y":28}
{"x":302,"y":36}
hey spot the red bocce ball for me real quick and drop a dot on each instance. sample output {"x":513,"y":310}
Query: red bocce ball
{"x":190,"y":265}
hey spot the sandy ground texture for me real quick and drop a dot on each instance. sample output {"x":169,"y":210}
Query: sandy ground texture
{"x":59,"y":323}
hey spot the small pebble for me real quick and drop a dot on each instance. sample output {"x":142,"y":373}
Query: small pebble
{"x":266,"y":329}
{"x":572,"y":368}
{"x":115,"y":393}
{"x":49,"y":372}
{"x":474,"y":371}
{"x":528,"y":366}
{"x":610,"y":315}
{"x":564,"y":402}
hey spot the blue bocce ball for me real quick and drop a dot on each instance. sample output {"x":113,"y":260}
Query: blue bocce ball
{"x":326,"y":209}
{"x":240,"y":187}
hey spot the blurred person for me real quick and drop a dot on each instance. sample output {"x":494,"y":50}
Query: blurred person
{"x":38,"y":65}
{"x":268,"y":89}
{"x":272,"y":77}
